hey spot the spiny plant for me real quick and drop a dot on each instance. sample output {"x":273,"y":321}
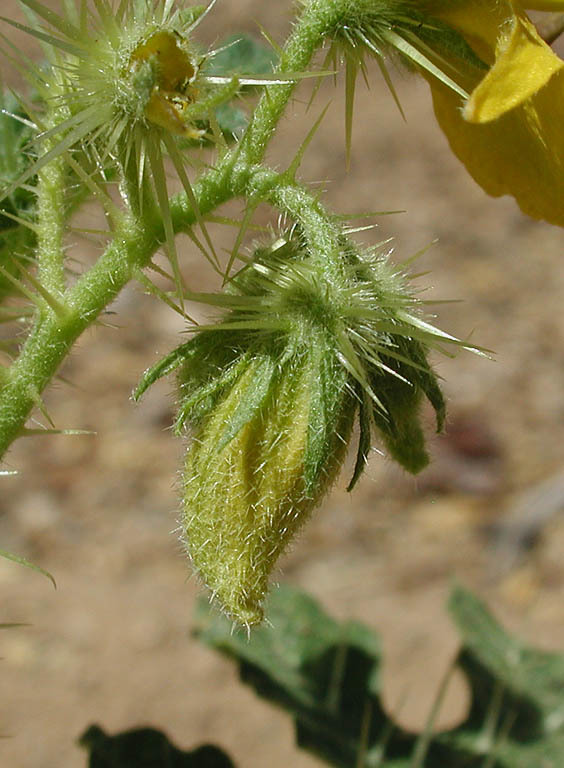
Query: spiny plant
{"x":317,"y":333}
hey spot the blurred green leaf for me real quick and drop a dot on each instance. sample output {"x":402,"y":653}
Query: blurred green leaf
{"x":242,"y":55}
{"x":146,"y":748}
{"x":16,"y":240}
{"x":14,"y":155}
{"x":326,"y":674}
{"x":231,"y":120}
{"x":27,"y":564}
{"x":514,"y":688}
{"x":238,"y":55}
{"x":13,"y":625}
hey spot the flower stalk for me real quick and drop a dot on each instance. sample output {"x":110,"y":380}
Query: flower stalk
{"x":51,"y":205}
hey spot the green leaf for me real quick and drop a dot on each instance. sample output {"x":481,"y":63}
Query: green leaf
{"x":16,"y":240}
{"x":27,"y":564}
{"x":242,"y":54}
{"x":146,"y":748}
{"x":231,"y":120}
{"x":326,"y":674}
{"x":526,"y":686}
{"x":238,"y":55}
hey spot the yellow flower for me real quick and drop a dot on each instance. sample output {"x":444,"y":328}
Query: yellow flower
{"x":509,"y":134}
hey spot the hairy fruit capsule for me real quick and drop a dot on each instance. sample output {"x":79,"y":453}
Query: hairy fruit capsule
{"x":271,"y":395}
{"x":312,"y":342}
{"x":246,"y":494}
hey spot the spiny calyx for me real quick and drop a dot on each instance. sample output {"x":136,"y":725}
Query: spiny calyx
{"x":271,"y":394}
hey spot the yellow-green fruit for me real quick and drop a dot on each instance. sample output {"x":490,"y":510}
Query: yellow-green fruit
{"x":244,"y":500}
{"x":270,"y":395}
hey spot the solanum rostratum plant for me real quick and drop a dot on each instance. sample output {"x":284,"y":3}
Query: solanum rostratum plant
{"x":317,"y":335}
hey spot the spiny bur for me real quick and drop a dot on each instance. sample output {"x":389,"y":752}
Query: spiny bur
{"x":271,"y":395}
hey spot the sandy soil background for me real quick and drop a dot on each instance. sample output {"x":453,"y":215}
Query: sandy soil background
{"x":112,"y":644}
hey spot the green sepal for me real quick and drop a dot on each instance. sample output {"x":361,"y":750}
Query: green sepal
{"x":331,"y":417}
{"x":216,"y":362}
{"x":252,"y":400}
{"x":165,"y":366}
{"x":398,"y":421}
{"x":364,"y":440}
{"x":204,"y":399}
{"x":426,"y":379}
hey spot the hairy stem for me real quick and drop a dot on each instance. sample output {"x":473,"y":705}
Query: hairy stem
{"x":317,"y":21}
{"x":53,"y":334}
{"x":50,"y":224}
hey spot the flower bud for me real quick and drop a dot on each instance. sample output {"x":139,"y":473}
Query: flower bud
{"x":247,"y":489}
{"x":272,"y":394}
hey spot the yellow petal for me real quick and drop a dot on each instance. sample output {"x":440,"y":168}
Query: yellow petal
{"x":525,"y":63}
{"x":478,"y":20}
{"x":519,"y":154}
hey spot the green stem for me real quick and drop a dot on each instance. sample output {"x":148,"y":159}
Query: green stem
{"x":50,"y":223}
{"x":323,"y":235}
{"x":319,"y":18}
{"x":51,"y":206}
{"x":53,"y":335}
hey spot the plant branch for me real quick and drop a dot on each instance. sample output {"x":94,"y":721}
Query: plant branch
{"x":50,"y":224}
{"x":53,"y":335}
{"x":319,"y":18}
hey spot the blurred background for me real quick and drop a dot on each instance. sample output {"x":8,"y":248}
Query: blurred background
{"x":112,"y":644}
